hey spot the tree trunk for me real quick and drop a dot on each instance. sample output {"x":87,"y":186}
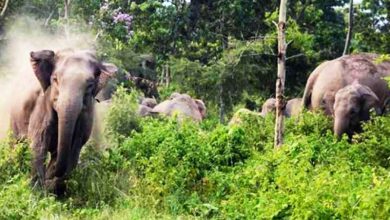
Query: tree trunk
{"x":167,"y":76}
{"x":350,"y":27}
{"x":280,"y":102}
{"x":66,"y":17}
{"x":221,"y":105}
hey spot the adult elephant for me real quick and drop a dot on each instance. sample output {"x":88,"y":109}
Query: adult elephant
{"x":182,"y":105}
{"x":56,"y":114}
{"x":293,"y":107}
{"x":331,"y":76}
{"x":146,"y":106}
{"x":268,"y":106}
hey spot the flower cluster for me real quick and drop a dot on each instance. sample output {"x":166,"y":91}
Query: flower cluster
{"x":123,"y":18}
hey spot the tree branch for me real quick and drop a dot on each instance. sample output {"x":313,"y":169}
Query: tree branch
{"x":4,"y":8}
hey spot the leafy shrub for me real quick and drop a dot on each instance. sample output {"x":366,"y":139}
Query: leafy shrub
{"x":15,"y":160}
{"x":122,"y":115}
{"x":165,"y":168}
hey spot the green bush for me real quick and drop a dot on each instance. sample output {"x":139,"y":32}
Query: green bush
{"x":166,"y":169}
{"x":122,"y":115}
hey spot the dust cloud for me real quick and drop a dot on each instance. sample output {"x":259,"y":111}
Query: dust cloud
{"x":23,"y":36}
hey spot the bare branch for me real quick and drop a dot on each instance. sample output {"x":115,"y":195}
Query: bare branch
{"x":49,"y":18}
{"x":295,"y":56}
{"x":4,"y":8}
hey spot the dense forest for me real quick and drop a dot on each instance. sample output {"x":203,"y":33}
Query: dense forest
{"x":224,"y":53}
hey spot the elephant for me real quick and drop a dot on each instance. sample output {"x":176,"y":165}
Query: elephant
{"x":268,"y":106}
{"x":183,"y":105}
{"x":150,"y":102}
{"x":148,"y":87}
{"x":146,"y":106}
{"x":331,"y":76}
{"x":293,"y":107}
{"x":241,"y":114}
{"x":352,"y":105}
{"x":56,"y":113}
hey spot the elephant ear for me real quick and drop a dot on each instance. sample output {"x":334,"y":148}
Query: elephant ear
{"x":107,"y":71}
{"x":43,"y":64}
{"x":201,"y":107}
{"x":369,"y":98}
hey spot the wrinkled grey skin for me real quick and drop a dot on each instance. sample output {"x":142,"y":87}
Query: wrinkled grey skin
{"x":293,"y":107}
{"x":150,"y":102}
{"x":57,"y":114}
{"x":182,"y":105}
{"x":146,"y":106}
{"x":352,"y":105}
{"x":331,"y":76}
{"x":268,"y":106}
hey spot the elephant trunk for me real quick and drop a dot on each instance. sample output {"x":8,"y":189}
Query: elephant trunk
{"x":340,"y":126}
{"x":68,"y":110}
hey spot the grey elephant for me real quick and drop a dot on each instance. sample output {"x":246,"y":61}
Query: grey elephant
{"x":182,"y":105}
{"x":56,"y":114}
{"x":293,"y":107}
{"x":352,"y":105}
{"x":146,"y":106}
{"x":331,"y":76}
{"x":268,"y":106}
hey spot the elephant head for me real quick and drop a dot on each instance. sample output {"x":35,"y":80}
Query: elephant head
{"x":149,"y":102}
{"x":201,"y":107}
{"x":352,"y":105}
{"x":70,"y":80}
{"x":268,"y":106}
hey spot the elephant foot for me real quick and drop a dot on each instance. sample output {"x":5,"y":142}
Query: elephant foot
{"x":56,"y":186}
{"x":37,"y":182}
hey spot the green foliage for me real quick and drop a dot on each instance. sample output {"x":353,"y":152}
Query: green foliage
{"x":122,"y":116}
{"x":168,"y":168}
{"x":13,"y":160}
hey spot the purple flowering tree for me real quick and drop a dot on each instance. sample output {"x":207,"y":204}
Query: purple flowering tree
{"x":116,"y":20}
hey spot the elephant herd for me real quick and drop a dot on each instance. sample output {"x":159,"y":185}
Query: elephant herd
{"x":346,"y":89}
{"x":55,"y":112}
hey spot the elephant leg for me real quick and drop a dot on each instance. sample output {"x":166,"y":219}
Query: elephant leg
{"x":51,"y":166}
{"x":39,"y":158}
{"x":56,"y":186}
{"x":74,"y":159}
